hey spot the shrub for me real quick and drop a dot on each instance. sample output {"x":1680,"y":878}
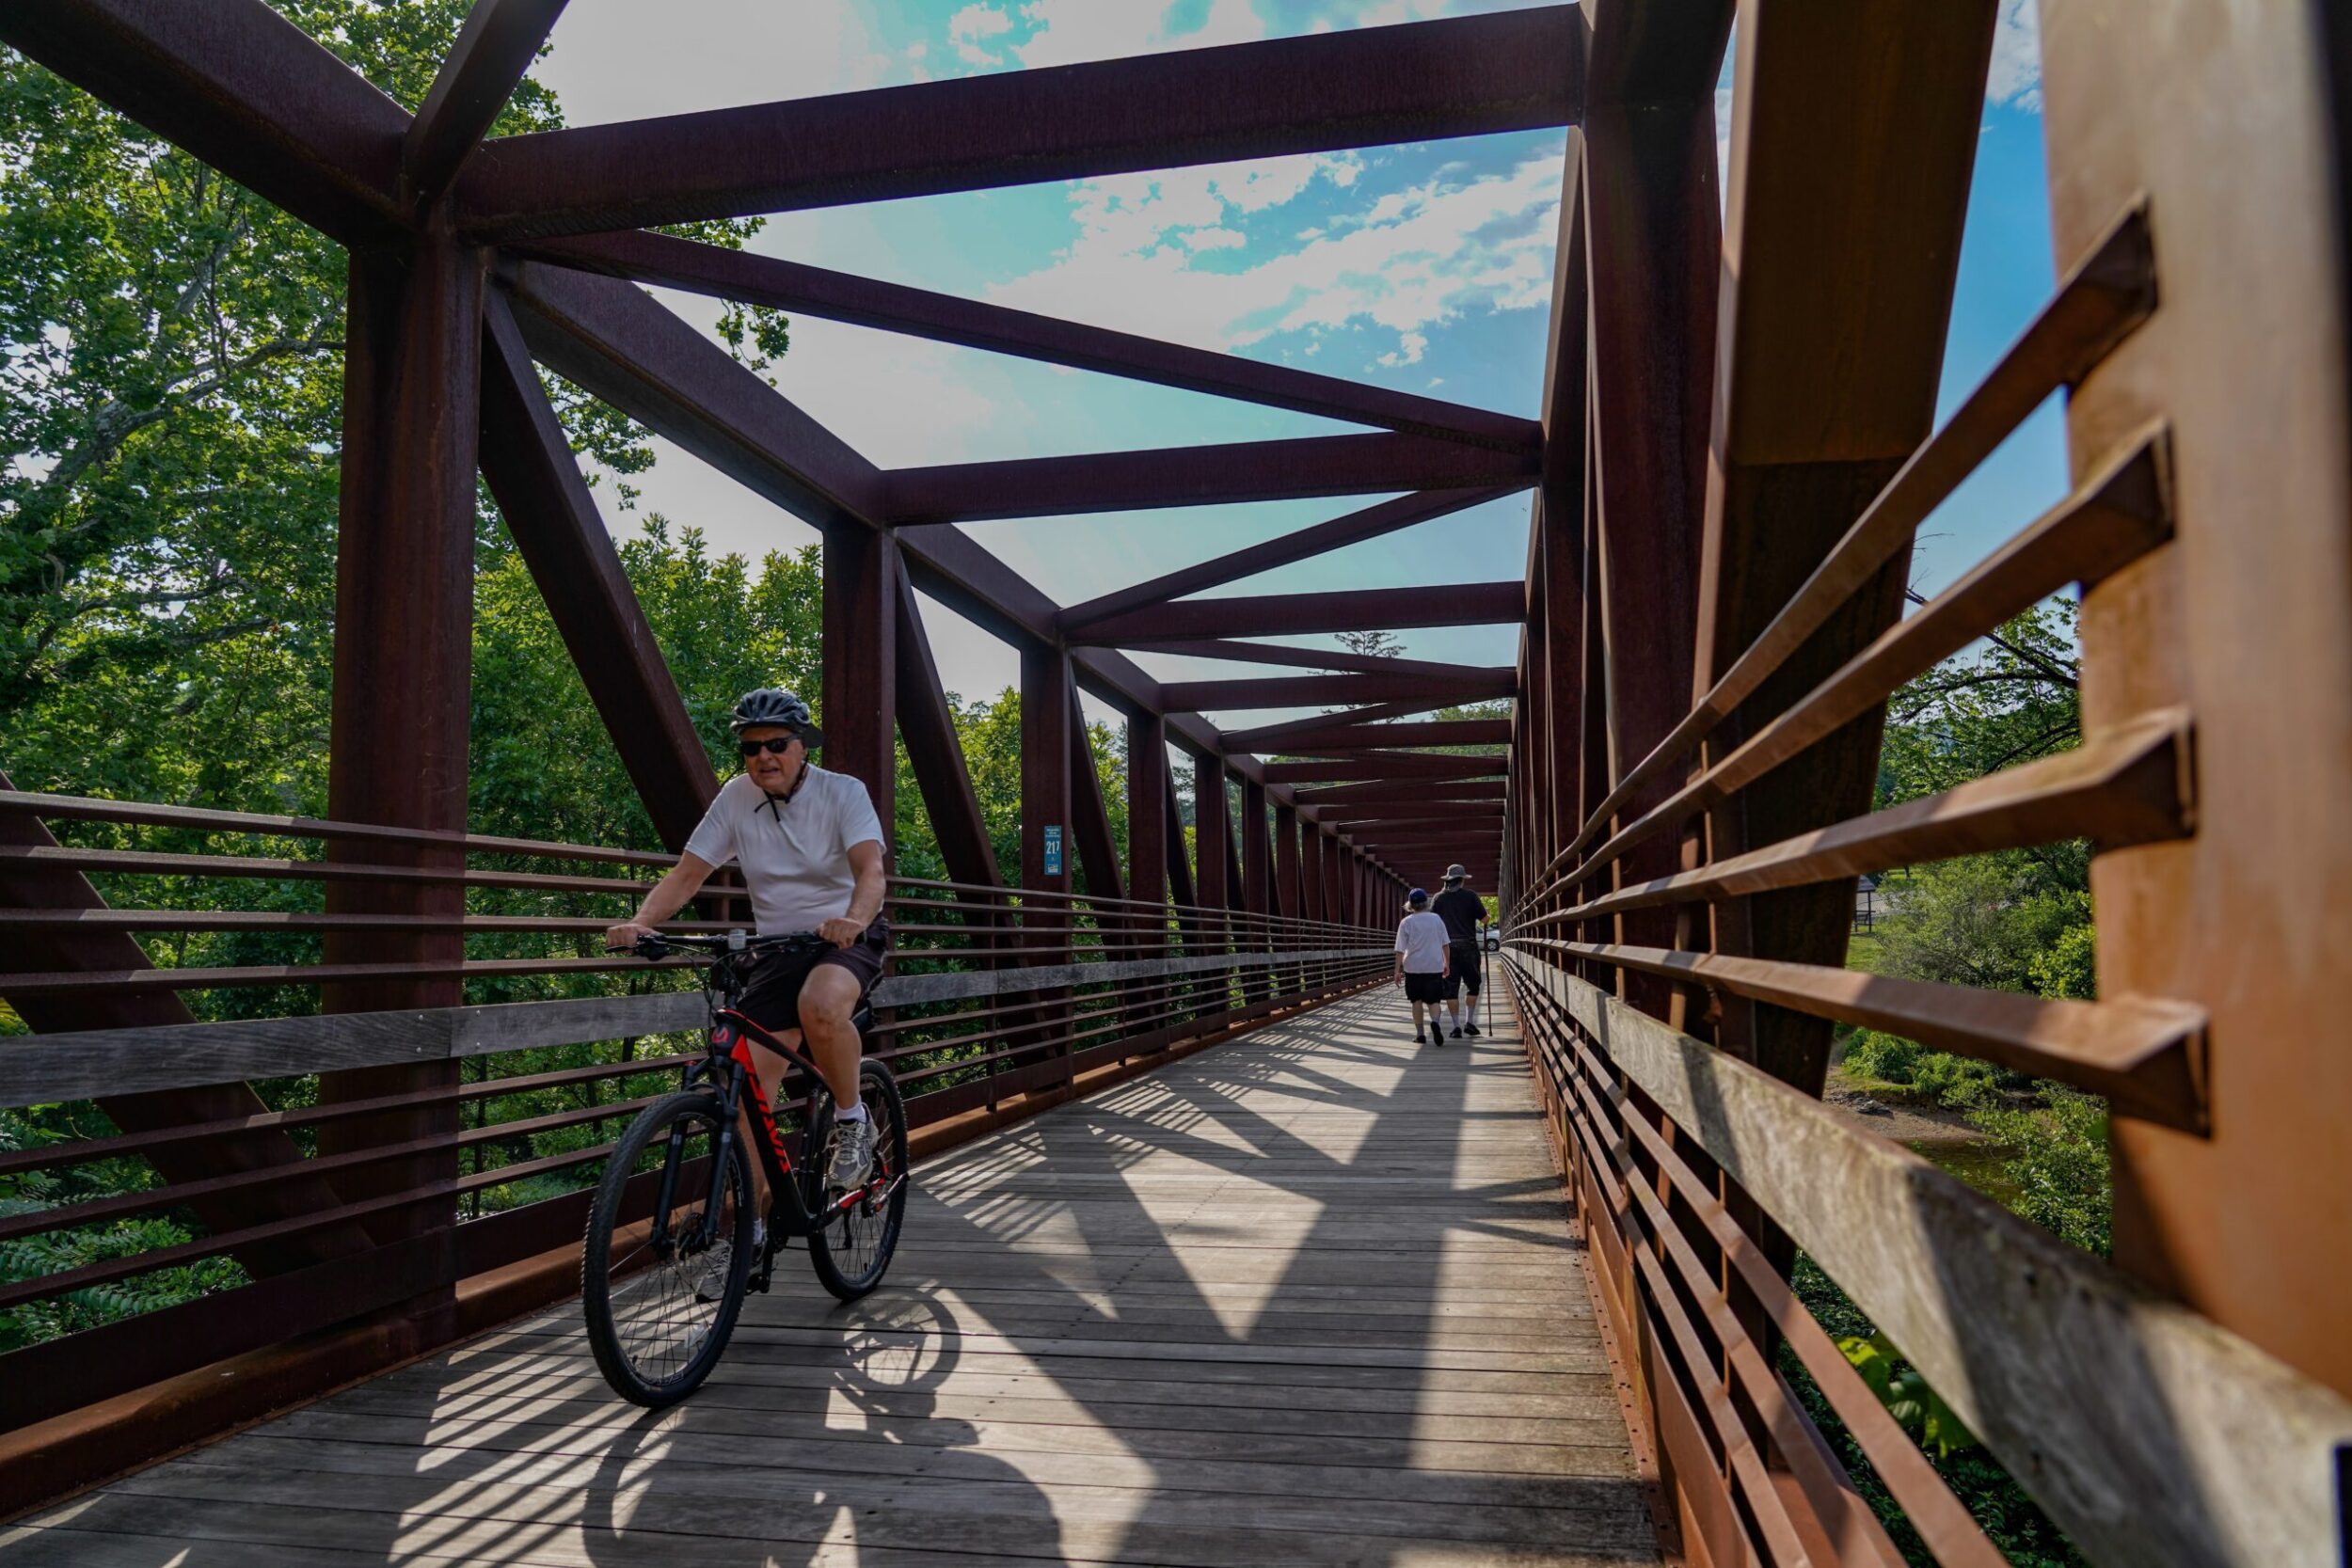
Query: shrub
{"x":1888,"y":1058}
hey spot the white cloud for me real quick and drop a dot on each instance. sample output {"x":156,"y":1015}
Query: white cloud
{"x":1215,"y":239}
{"x":618,"y":59}
{"x":1415,"y":259}
{"x":1070,"y":31}
{"x":2016,"y":74}
{"x":968,"y":29}
{"x":1410,"y":347}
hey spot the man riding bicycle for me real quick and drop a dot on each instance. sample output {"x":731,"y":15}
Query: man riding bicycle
{"x":810,"y":848}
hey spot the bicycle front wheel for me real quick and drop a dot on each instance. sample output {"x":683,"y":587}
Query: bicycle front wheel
{"x":852,"y":1249}
{"x":661,"y":1290}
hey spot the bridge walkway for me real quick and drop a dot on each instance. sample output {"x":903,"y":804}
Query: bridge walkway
{"x":1311,"y":1297}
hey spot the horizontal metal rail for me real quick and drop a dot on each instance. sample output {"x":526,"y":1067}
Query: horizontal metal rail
{"x":2094,"y":309}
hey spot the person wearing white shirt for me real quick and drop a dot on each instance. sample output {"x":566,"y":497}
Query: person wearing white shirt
{"x":1422,"y":961}
{"x":810,"y":848}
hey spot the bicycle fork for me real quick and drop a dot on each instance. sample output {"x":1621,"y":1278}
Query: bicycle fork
{"x":673,"y":1160}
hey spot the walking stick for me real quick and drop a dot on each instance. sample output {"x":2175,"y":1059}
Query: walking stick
{"x":1478,"y":1003}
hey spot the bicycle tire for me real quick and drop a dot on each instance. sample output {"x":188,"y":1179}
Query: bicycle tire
{"x":630,"y":1303}
{"x":853,"y":1251}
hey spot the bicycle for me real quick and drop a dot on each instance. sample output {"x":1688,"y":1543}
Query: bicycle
{"x":666,"y":1263}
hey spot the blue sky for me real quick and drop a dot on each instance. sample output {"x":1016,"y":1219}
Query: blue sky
{"x":1423,"y":267}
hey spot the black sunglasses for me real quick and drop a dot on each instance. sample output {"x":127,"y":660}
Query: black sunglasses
{"x":775,"y":746}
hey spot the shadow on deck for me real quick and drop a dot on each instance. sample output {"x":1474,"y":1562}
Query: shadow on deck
{"x":1309,"y":1298}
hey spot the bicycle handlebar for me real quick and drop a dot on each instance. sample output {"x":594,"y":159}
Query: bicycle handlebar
{"x":662,"y":946}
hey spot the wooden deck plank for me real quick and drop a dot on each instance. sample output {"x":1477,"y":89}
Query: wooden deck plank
{"x":1311,"y":1298}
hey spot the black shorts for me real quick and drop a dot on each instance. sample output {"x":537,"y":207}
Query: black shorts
{"x":1465,"y":976}
{"x":772,"y":999}
{"x":1423,"y":987}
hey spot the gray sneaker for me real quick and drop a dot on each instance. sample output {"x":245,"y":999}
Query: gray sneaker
{"x":850,"y":1154}
{"x":712,"y":1284}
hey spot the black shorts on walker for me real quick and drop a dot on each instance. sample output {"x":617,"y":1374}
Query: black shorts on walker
{"x":1465,"y":976}
{"x":1423,"y":987}
{"x":772,"y":999}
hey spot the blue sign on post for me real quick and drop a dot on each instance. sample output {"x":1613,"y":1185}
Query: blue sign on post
{"x":1053,"y":850}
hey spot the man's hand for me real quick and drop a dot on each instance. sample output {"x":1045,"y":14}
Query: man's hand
{"x":619,"y":939}
{"x":841,"y":931}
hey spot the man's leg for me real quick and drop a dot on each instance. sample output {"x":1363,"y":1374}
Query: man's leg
{"x":828,"y":997}
{"x":770,"y":1070}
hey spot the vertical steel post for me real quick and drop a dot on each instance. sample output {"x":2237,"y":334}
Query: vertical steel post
{"x":403,"y":697}
{"x":1289,"y":896}
{"x":861,"y":666}
{"x":1146,"y":849}
{"x":1257,"y":881}
{"x":1209,"y":835}
{"x":2245,"y":619}
{"x":1654,"y":238}
{"x":1047,"y":845}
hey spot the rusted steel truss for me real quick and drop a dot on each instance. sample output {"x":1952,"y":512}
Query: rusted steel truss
{"x":1731,"y":453}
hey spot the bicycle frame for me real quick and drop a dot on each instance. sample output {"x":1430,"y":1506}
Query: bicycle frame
{"x":796,"y":1208}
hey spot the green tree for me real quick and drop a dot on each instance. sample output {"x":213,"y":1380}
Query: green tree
{"x":170,"y":406}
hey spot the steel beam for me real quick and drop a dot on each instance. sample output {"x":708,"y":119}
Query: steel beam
{"x":240,"y":87}
{"x":1091,"y":818}
{"x":1271,"y":737}
{"x":1850,"y":166}
{"x":1047,"y":701}
{"x":1182,"y":887}
{"x":1470,"y":686}
{"x":1653,"y":240}
{"x":402,"y":686}
{"x":528,"y":464}
{"x":1386,"y":792}
{"x":1300,"y":658}
{"x":1195,"y":476}
{"x":1371,"y":522}
{"x":1211,"y":832}
{"x":2246,"y":619}
{"x":754,"y":279}
{"x":1371,"y":86}
{"x":1382,"y":765}
{"x":492,"y":53}
{"x":1147,"y":816}
{"x":935,"y":753}
{"x":1471,"y":604}
{"x":861,"y":666}
{"x":620,"y":344}
{"x":1433,"y":732}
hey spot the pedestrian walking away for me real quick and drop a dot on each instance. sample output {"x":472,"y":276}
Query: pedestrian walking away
{"x":1421,"y":960}
{"x":1462,"y":911}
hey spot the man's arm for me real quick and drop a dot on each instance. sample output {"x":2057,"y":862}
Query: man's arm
{"x":866,"y":899}
{"x":666,"y":897}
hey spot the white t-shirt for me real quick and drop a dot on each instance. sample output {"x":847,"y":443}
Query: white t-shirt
{"x":796,"y":855}
{"x":1421,"y":939}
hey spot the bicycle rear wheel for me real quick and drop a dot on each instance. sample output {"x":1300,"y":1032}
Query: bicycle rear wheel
{"x":852,"y":1249}
{"x":660,"y":1307}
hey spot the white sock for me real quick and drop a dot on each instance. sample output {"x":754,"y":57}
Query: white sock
{"x":849,"y":1112}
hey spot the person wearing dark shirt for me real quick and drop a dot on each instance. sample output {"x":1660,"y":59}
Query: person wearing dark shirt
{"x":1463,"y":912}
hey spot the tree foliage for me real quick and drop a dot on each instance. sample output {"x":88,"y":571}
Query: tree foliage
{"x":170,"y":417}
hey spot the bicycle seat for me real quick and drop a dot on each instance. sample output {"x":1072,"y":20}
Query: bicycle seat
{"x":862,"y":1020}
